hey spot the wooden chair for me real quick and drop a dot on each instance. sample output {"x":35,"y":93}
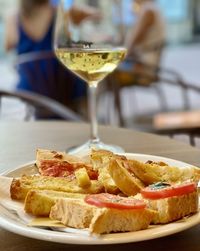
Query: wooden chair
{"x":149,"y":77}
{"x":166,"y":122}
{"x":35,"y":103}
{"x":183,"y":122}
{"x":137,"y":74}
{"x":178,"y":123}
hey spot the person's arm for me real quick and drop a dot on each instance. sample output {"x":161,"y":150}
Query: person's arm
{"x":138,"y":33}
{"x":78,"y":14}
{"x":11,"y":34}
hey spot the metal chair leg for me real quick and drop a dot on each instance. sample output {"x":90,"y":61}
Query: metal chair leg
{"x":161,"y":97}
{"x":114,"y":85}
{"x":186,"y":102}
{"x":192,"y":140}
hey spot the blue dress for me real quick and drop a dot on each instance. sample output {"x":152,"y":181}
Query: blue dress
{"x":50,"y":78}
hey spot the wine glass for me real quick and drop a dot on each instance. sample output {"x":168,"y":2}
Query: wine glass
{"x":86,"y":42}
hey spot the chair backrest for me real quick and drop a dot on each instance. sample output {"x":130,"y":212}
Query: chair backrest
{"x":43,"y":74}
{"x":135,"y":72}
{"x":39,"y":106}
{"x":158,"y":49}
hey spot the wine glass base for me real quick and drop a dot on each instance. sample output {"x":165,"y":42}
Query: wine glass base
{"x":86,"y":148}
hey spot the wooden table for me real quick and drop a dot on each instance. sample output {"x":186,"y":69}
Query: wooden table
{"x":19,"y":140}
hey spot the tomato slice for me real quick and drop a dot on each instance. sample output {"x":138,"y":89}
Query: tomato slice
{"x":64,"y":169}
{"x":114,"y":201}
{"x":153,"y":192}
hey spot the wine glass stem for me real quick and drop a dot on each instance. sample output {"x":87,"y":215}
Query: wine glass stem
{"x":93,"y":112}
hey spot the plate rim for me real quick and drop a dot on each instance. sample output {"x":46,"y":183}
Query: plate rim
{"x":71,"y":238}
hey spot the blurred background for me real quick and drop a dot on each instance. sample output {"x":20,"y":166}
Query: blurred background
{"x":180,"y":54}
{"x":183,"y":36}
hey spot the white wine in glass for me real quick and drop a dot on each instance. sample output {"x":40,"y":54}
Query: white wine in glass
{"x":92,"y":65}
{"x":85,"y":48}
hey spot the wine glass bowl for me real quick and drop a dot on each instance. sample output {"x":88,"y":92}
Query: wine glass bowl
{"x":85,"y":43}
{"x":90,"y":63}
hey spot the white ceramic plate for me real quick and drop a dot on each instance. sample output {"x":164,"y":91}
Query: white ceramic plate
{"x":10,"y":221}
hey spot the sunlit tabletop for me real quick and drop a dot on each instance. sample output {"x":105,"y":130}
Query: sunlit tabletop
{"x":19,"y":140}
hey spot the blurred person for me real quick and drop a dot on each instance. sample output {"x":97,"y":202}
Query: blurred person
{"x":31,"y":30}
{"x":148,"y":33}
{"x":144,"y":42}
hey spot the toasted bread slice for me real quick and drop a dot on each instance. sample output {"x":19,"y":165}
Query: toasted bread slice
{"x":73,"y":213}
{"x":107,"y":181}
{"x":100,"y":160}
{"x":39,"y":202}
{"x":126,"y":181}
{"x":115,"y":220}
{"x":43,"y":154}
{"x":173,"y":208}
{"x":20,"y":187}
{"x":61,"y":164}
{"x":78,"y":214}
{"x":152,"y":172}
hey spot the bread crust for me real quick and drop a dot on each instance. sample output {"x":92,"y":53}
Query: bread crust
{"x":20,"y":187}
{"x":127,"y":182}
{"x":39,"y":202}
{"x":78,"y":214}
{"x":174,"y":208}
{"x":73,"y":213}
{"x":43,"y":154}
{"x":150,"y":173}
{"x":100,"y":158}
{"x":115,"y":220}
{"x":100,"y":161}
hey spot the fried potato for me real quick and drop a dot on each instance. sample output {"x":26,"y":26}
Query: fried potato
{"x":82,"y":178}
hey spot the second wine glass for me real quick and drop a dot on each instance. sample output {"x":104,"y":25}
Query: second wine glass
{"x":86,"y":43}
